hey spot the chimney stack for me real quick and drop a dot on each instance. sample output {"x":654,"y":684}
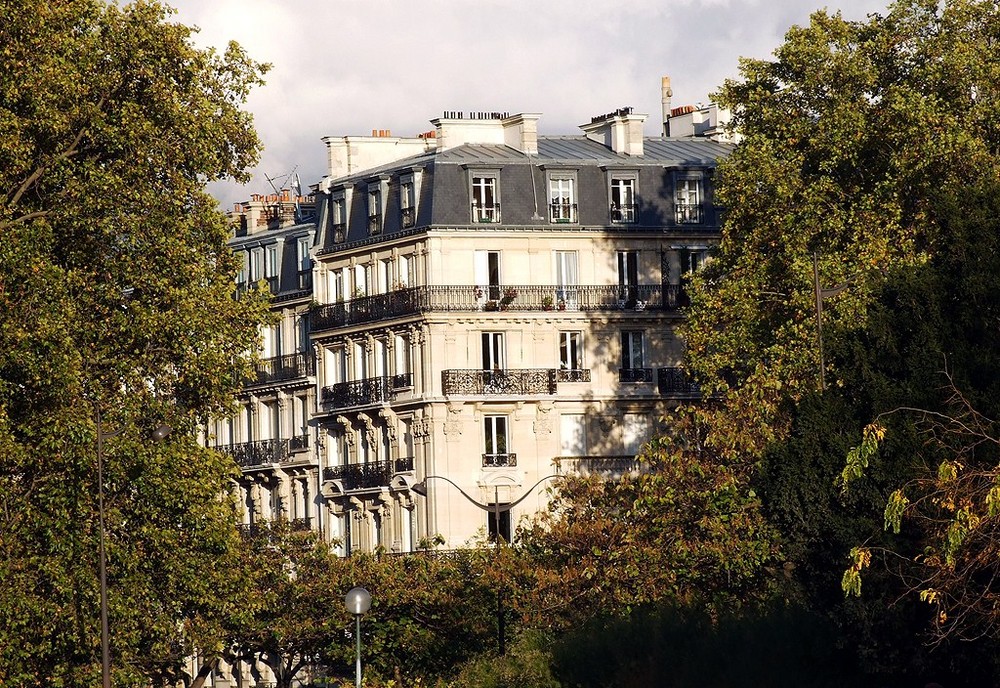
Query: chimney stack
{"x":666,"y":93}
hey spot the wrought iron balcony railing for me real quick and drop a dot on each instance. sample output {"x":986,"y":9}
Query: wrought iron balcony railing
{"x":305,"y":279}
{"x":688,"y":213}
{"x":635,"y":375}
{"x":428,"y":299}
{"x":485,"y":213}
{"x":374,"y":225}
{"x":362,"y":476}
{"x":623,"y":213}
{"x":499,"y":460}
{"x":365,"y":392}
{"x":339,"y":232}
{"x":407,"y":217}
{"x":287,"y":367}
{"x":573,"y":375}
{"x":298,"y":443}
{"x":560,"y":211}
{"x":604,"y":466}
{"x":259,"y":453}
{"x":506,"y":382}
{"x":674,"y":381}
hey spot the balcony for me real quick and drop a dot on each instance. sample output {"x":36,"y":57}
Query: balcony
{"x":374,"y":225}
{"x":573,"y":375}
{"x":499,"y":460}
{"x":255,"y":454}
{"x":688,"y":213}
{"x":611,"y":467}
{"x":502,"y":382}
{"x":635,"y":375}
{"x":287,"y":367}
{"x":305,"y":279}
{"x":366,"y":392}
{"x":407,"y":217}
{"x":470,"y":298}
{"x":486,"y":213}
{"x":339,"y":232}
{"x":675,"y":382}
{"x":623,"y":213}
{"x":366,"y":476}
{"x":562,"y":211}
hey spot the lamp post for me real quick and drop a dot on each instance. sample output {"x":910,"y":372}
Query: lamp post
{"x":157,"y":435}
{"x":358,"y":601}
{"x":421,"y":489}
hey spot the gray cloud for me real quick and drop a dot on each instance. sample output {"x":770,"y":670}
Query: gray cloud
{"x":347,"y":68}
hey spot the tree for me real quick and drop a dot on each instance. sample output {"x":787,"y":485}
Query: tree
{"x":847,"y":136}
{"x":116,"y":300}
{"x":686,"y":530}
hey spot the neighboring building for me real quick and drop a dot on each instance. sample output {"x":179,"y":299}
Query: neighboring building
{"x":481,"y":303}
{"x":271,"y":436}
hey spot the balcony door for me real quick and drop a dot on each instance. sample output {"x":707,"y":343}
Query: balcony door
{"x":567,"y":279}
{"x":628,"y":276}
{"x":487,"y":275}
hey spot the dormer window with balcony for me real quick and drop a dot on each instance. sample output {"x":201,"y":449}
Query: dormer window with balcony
{"x":374,"y":211}
{"x":623,"y":200}
{"x":485,"y":197}
{"x":688,"y":197}
{"x":338,"y":216}
{"x":271,"y":268}
{"x":303,"y":262}
{"x":407,"y":205}
{"x":562,"y":198}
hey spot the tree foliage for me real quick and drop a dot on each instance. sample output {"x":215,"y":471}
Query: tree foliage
{"x":115,"y":297}
{"x":848,"y":134}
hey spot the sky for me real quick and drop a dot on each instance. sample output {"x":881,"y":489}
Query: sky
{"x":345,"y":68}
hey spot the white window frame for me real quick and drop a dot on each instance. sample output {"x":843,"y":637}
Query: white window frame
{"x":562,"y":199}
{"x":496,"y":435}
{"x":494,"y":354}
{"x":484,"y":195}
{"x":689,"y":200}
{"x":571,"y":350}
{"x":623,"y":210}
{"x":633,"y":349}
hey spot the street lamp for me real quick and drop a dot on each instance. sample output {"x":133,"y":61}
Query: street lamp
{"x":157,"y":435}
{"x":421,"y":489}
{"x":358,"y":601}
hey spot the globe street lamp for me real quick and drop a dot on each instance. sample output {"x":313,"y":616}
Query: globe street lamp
{"x":421,"y":489}
{"x":358,"y":601}
{"x":160,"y":433}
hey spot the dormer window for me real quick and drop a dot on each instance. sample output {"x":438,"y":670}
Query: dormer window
{"x":339,"y":211}
{"x":623,"y":205}
{"x":562,"y":197}
{"x":407,"y":205}
{"x":688,"y":201}
{"x":485,"y":196}
{"x":374,"y":211}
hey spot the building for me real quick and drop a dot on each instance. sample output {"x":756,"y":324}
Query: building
{"x":480,"y":303}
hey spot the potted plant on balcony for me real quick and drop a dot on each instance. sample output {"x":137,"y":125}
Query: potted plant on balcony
{"x":509,"y":294}
{"x":491,"y":305}
{"x":547,"y":302}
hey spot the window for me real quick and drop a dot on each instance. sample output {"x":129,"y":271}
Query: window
{"x":272,"y":341}
{"x":567,"y":279}
{"x":405,"y":271}
{"x":503,"y":528}
{"x":485,"y":205}
{"x":495,"y":449}
{"x":487,"y":275}
{"x":635,"y":432}
{"x":687,"y":201}
{"x":271,"y":267}
{"x":385,"y":275}
{"x":374,"y":211}
{"x":623,"y":209}
{"x":303,"y":262}
{"x":628,"y":277}
{"x":493,"y":351}
{"x":256,"y":264}
{"x":632,"y":369}
{"x":401,"y":350}
{"x":338,"y":217}
{"x":573,"y":434}
{"x":241,"y":276}
{"x":407,"y":204}
{"x":360,"y":281}
{"x":562,"y":203}
{"x":571,"y":350}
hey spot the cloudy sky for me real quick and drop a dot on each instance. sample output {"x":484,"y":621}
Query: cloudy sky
{"x":345,"y":68}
